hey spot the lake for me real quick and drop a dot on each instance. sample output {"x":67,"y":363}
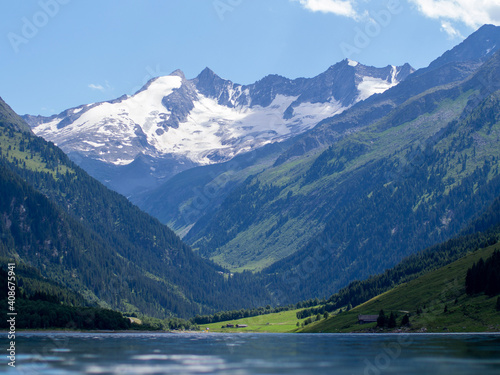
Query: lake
{"x":249,"y":353}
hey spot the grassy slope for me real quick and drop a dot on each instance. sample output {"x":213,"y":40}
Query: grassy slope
{"x":285,"y":321}
{"x":32,"y":161}
{"x":11,"y":119}
{"x":282,"y":242}
{"x":431,"y":292}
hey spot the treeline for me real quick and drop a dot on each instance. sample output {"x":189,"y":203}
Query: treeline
{"x":319,"y":310}
{"x":384,"y":321}
{"x":37,"y":309}
{"x":32,"y":285}
{"x":484,"y":276}
{"x":247,"y":313}
{"x":169,"y":324}
{"x":44,"y":304}
{"x":41,"y":314}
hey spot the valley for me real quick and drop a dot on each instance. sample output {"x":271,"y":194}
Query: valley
{"x":194,"y":197}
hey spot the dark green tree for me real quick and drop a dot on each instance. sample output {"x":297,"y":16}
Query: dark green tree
{"x":392,"y":321}
{"x":381,"y":320}
{"x":405,"y":321}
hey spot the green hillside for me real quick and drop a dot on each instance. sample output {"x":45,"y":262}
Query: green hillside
{"x":44,"y":304}
{"x":11,"y":119}
{"x":436,"y":302}
{"x":424,"y":299}
{"x":412,"y":179}
{"x":281,"y":322}
{"x":480,"y":234}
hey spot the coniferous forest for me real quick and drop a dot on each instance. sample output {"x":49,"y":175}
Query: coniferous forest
{"x":60,"y":220}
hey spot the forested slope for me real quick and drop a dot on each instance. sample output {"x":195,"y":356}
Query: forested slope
{"x":74,"y":230}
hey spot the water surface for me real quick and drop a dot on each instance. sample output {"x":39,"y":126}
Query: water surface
{"x":248,"y":353}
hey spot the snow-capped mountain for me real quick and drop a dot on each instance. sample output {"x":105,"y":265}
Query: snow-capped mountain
{"x":208,"y":119}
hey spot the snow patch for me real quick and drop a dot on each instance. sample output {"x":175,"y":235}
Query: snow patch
{"x":211,"y":133}
{"x":122,"y":162}
{"x":94,"y":144}
{"x":372,"y":85}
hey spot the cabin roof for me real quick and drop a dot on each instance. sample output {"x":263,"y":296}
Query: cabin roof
{"x":368,"y":317}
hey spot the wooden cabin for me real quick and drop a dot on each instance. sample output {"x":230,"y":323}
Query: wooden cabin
{"x":362,"y":319}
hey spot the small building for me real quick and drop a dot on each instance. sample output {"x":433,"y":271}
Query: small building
{"x":241,"y":325}
{"x":362,"y":319}
{"x":229,"y":325}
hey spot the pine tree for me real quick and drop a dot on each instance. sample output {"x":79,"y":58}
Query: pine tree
{"x":381,"y":320}
{"x":406,"y":320}
{"x":392,"y":321}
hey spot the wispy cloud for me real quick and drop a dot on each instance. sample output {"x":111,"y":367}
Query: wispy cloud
{"x":103,"y":88}
{"x":97,"y":87}
{"x":448,"y":28}
{"x":339,"y":7}
{"x":472,"y":13}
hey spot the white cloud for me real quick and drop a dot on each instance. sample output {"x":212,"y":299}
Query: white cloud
{"x":97,"y":87}
{"x":339,"y":7}
{"x":102,"y":88}
{"x":473,"y":13}
{"x":448,"y":28}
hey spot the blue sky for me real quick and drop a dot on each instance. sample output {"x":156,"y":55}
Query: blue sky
{"x":57,"y":54}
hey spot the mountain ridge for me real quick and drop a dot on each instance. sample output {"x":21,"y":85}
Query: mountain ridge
{"x":453,"y":66}
{"x":179,"y":123}
{"x":182,"y":216}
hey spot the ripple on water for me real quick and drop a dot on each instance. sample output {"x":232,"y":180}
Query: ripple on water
{"x":174,"y":368}
{"x":170,"y":364}
{"x":151,"y":357}
{"x":60,"y":350}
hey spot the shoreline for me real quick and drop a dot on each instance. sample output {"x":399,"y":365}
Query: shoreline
{"x":101,"y":332}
